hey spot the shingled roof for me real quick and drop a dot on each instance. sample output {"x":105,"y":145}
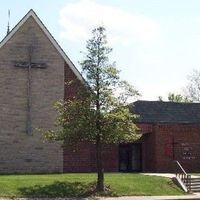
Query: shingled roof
{"x":166,"y":112}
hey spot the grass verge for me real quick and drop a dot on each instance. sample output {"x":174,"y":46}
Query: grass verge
{"x":83,"y":184}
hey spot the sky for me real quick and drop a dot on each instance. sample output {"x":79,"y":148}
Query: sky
{"x":156,"y":43}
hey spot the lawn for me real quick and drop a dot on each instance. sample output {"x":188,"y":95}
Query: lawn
{"x":81,"y":185}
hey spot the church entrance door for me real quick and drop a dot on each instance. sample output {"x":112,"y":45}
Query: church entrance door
{"x":130,"y":157}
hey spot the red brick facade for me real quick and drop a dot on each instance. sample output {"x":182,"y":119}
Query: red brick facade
{"x":161,"y":145}
{"x":82,"y":158}
{"x":177,"y":142}
{"x":169,"y":142}
{"x":71,"y":89}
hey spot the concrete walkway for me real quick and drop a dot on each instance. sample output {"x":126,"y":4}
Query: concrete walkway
{"x":193,"y":196}
{"x":180,"y":197}
{"x":167,"y":175}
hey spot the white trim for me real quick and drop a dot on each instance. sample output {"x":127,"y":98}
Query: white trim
{"x":31,"y":13}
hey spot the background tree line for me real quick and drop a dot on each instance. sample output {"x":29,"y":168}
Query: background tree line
{"x":190,"y":93}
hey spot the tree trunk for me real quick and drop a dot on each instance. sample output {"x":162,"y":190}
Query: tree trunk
{"x":100,"y":170}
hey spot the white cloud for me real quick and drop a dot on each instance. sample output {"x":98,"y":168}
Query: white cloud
{"x":77,"y":19}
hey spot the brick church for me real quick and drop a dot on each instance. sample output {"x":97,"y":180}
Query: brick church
{"x":33,"y":70}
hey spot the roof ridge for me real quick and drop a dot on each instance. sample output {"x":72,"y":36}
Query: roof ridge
{"x":170,"y":102}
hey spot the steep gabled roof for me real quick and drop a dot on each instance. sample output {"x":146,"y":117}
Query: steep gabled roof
{"x":31,"y":13}
{"x":166,"y":112}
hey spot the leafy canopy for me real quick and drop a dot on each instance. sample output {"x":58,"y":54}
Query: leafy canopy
{"x":178,"y":98}
{"x":100,"y":108}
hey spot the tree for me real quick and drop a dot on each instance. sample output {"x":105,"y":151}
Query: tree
{"x":192,"y":89}
{"x":100,"y":116}
{"x":172,"y":97}
{"x":178,"y":98}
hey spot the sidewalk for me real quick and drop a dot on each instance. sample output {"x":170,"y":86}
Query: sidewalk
{"x":181,"y":197}
{"x":167,"y":175}
{"x":192,"y":196}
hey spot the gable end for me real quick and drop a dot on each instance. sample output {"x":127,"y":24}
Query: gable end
{"x":31,"y":13}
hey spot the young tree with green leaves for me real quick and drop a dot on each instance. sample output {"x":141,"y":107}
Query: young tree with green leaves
{"x":99,"y":114}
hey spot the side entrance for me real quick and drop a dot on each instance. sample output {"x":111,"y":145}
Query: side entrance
{"x":130,"y":157}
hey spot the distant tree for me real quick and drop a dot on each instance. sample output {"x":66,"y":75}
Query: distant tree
{"x":100,"y":116}
{"x":192,"y":90}
{"x":178,"y":98}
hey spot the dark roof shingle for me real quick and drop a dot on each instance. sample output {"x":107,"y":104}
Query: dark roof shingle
{"x":166,"y":112}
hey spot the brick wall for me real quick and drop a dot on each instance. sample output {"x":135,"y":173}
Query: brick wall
{"x":148,"y":147}
{"x":158,"y":151}
{"x":148,"y":152}
{"x":186,"y":147}
{"x":18,"y":151}
{"x":71,"y":89}
{"x":82,"y":158}
{"x":164,"y":143}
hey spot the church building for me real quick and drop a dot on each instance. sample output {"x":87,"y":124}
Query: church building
{"x":33,"y":72}
{"x":170,"y":132}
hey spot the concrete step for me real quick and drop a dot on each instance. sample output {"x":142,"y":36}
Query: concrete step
{"x":195,"y":179}
{"x":195,"y":186}
{"x":193,"y":183}
{"x":195,"y":191}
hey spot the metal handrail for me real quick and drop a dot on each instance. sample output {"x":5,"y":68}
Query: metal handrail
{"x":184,"y":172}
{"x":184,"y":177}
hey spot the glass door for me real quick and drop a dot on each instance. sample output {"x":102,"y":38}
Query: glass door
{"x":130,"y":157}
{"x":136,"y":160}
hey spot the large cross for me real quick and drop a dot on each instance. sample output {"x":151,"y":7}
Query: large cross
{"x":29,"y":65}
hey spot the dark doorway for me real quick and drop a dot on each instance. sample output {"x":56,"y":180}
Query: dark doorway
{"x":130,"y":157}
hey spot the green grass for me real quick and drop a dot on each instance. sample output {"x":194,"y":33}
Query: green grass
{"x":82,"y":185}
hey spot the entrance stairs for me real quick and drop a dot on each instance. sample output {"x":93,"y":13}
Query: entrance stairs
{"x":186,"y":181}
{"x":193,"y":184}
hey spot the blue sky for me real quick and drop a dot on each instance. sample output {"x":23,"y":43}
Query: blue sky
{"x":156,"y":43}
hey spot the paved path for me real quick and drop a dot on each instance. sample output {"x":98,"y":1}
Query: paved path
{"x":167,"y":175}
{"x":193,"y":196}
